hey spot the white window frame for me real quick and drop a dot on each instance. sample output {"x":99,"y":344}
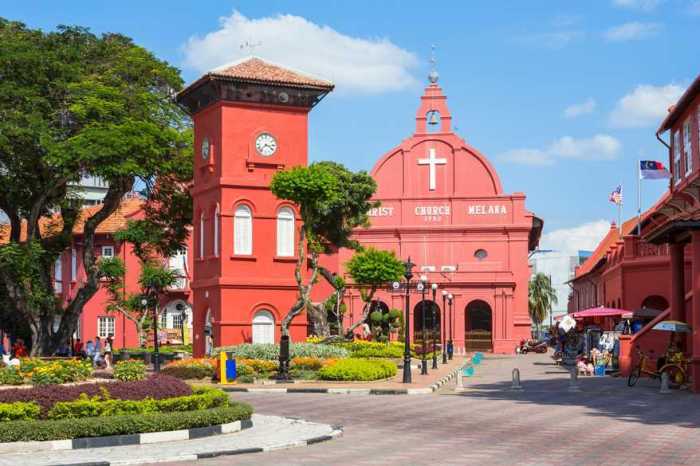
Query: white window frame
{"x":106,"y":326}
{"x":73,"y":265}
{"x":687,"y":147}
{"x":58,"y":275}
{"x":216,"y":231}
{"x":263,"y":330}
{"x":285,"y":232}
{"x":105,"y":249}
{"x":677,"y":172}
{"x":201,"y":236}
{"x":243,"y":231}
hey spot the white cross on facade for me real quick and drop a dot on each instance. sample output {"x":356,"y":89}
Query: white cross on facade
{"x":432,"y":162}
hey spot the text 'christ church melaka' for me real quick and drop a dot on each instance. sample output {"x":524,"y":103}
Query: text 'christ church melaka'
{"x":442,"y":205}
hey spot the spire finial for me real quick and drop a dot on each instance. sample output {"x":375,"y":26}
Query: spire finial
{"x":433,"y":75}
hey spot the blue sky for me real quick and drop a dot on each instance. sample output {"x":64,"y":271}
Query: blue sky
{"x":510,"y":70}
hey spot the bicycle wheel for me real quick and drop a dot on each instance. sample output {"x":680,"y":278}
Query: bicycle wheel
{"x":634,"y":376}
{"x":676,"y":375}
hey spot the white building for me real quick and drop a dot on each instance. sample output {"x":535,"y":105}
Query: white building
{"x":91,"y":189}
{"x":560,"y":267}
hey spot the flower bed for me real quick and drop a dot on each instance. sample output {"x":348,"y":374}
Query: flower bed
{"x":27,"y":415}
{"x":358,"y":370}
{"x":46,"y":372}
{"x":204,"y":368}
{"x":129,"y":370}
{"x":157,"y":387}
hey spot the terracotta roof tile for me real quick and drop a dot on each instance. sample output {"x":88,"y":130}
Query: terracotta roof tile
{"x":256,"y":69}
{"x":113,"y":223}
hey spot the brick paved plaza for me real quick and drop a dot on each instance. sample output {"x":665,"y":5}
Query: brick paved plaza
{"x":607,"y":423}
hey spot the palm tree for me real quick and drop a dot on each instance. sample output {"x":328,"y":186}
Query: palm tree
{"x":541,"y":298}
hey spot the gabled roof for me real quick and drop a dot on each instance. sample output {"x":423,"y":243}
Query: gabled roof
{"x":112,"y":224}
{"x":681,"y":106}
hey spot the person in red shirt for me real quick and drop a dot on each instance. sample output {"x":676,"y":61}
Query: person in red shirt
{"x":19,"y":350}
{"x":78,"y":348}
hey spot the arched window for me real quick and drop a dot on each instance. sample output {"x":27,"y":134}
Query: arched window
{"x":285,"y":232}
{"x":216,"y":231}
{"x":263,"y":327}
{"x":201,"y":235}
{"x":243,"y":231}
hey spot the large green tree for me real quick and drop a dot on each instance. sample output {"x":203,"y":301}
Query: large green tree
{"x":332,"y":201}
{"x":371,"y":269}
{"x":542,"y":296}
{"x":75,"y":104}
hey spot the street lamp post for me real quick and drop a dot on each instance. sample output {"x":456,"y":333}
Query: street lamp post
{"x":156,"y":350}
{"x":408,"y":274}
{"x":423,"y":361}
{"x":434,"y":287}
{"x":443,"y":327}
{"x":450,"y":343}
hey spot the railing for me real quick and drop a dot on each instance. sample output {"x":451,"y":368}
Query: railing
{"x":651,"y":250}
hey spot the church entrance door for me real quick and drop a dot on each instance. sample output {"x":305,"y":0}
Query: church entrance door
{"x":478,"y":327}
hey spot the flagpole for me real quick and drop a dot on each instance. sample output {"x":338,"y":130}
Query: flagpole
{"x":619,"y":212}
{"x":639,"y":198}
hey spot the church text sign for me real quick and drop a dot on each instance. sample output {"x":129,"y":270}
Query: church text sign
{"x":481,"y":209}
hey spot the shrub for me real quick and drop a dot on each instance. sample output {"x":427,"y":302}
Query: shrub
{"x":191,"y":368}
{"x":156,"y":387}
{"x":358,"y":369}
{"x":129,"y":370}
{"x":259,"y":366}
{"x":60,"y":371}
{"x":10,"y":376}
{"x":313,"y":364}
{"x":203,"y":398}
{"x":270,"y":351}
{"x":119,"y":425}
{"x":19,"y":411}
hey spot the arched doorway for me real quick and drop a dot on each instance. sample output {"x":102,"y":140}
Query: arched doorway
{"x":656,"y":302}
{"x":430,"y":325}
{"x":263,"y":327}
{"x":176,"y":321}
{"x":478,"y":326}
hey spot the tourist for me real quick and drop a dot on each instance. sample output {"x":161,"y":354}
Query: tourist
{"x":90,"y":349}
{"x":98,"y":350}
{"x":78,"y":348}
{"x":19,"y":350}
{"x":2,"y":348}
{"x":108,"y":352}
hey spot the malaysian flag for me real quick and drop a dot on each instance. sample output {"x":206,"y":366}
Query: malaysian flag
{"x":616,"y":196}
{"x":653,"y":170}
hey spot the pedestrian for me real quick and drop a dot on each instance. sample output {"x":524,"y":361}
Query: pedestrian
{"x":78,"y":348}
{"x":2,"y":348}
{"x":19,"y":350}
{"x":108,"y":352}
{"x":90,"y":349}
{"x":98,"y":353}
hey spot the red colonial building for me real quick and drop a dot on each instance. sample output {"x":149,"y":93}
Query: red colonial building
{"x":442,"y":204}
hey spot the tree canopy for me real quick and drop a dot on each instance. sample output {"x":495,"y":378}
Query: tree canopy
{"x":332,"y":201}
{"x":542,"y":296}
{"x":74,"y":104}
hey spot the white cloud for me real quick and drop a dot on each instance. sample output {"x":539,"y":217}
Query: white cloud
{"x":353,"y":64}
{"x":645,"y":106}
{"x":571,"y":240}
{"x":575,"y":110}
{"x":598,"y":147}
{"x":632,"y":31}
{"x":642,"y":5}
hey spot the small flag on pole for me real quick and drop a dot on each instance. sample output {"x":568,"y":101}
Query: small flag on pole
{"x":652,"y":170}
{"x":616,"y":195}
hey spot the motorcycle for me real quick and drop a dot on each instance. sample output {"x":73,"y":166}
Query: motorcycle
{"x":530,"y":345}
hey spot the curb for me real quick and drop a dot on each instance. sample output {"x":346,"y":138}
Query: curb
{"x":348,"y":391}
{"x":123,"y":440}
{"x":337,"y":432}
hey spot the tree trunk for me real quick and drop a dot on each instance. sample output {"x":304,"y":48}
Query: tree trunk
{"x":366,"y":308}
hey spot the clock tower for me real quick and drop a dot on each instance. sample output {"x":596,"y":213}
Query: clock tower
{"x":250,"y":120}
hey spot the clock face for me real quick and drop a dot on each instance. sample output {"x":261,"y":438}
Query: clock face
{"x":266,"y":144}
{"x":205,"y":148}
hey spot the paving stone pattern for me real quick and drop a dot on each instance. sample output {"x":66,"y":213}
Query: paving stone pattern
{"x":607,"y":423}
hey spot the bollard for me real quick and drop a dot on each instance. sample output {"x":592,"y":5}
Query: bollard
{"x":664,"y":384}
{"x":573,"y":381}
{"x":516,"y":380}
{"x":460,"y":379}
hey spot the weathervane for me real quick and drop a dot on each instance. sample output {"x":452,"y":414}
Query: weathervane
{"x":433,"y":75}
{"x":250,"y":45}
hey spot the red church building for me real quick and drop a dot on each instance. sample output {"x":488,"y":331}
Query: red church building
{"x":442,"y":204}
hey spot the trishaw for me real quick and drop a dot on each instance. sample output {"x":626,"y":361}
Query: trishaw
{"x":675,"y":363}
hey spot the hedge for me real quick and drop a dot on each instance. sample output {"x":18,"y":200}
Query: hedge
{"x":203,"y":398}
{"x":358,"y":369}
{"x":22,"y":431}
{"x":10,"y":376}
{"x":156,"y":386}
{"x":129,"y":370}
{"x":271,"y":351}
{"x":19,"y":411}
